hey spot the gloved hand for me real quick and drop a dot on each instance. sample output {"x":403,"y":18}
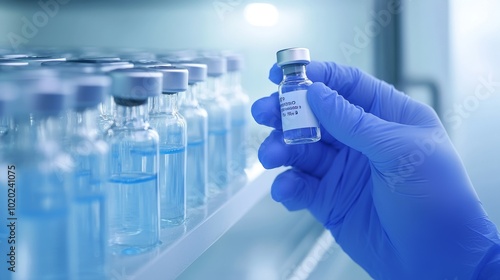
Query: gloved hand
{"x":385,"y":179}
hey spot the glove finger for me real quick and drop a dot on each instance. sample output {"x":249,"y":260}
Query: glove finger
{"x":314,"y":159}
{"x":350,"y":124}
{"x":374,"y":96}
{"x":294,"y":189}
{"x":266,"y":111}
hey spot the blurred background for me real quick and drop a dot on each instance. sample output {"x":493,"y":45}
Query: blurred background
{"x":442,"y":52}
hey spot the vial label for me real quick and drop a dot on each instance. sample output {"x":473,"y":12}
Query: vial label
{"x":295,"y":111}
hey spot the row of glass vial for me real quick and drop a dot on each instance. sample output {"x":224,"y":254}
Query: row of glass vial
{"x":224,"y":77}
{"x":67,"y":175}
{"x":237,"y":100}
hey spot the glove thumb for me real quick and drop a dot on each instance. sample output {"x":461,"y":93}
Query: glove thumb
{"x":350,"y":124}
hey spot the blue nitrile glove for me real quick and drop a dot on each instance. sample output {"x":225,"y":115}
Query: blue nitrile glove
{"x":385,"y":179}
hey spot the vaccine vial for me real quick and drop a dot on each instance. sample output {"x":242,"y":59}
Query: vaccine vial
{"x":197,"y":136}
{"x":133,"y":190}
{"x":219,"y":124}
{"x":299,"y":123}
{"x":89,"y":153}
{"x":239,"y":102}
{"x":42,"y":168}
{"x":171,"y":127}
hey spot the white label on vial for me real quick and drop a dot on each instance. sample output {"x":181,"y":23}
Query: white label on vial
{"x":295,"y":111}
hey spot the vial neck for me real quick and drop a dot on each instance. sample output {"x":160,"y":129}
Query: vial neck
{"x":294,"y":72}
{"x":164,"y":104}
{"x":191,"y":95}
{"x":83,"y":121}
{"x":48,"y":128}
{"x":35,"y":129}
{"x":213,"y":86}
{"x":133,"y":115}
{"x":233,"y":81}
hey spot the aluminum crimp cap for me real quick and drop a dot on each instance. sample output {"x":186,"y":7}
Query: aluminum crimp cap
{"x":197,"y":72}
{"x":12,"y":62}
{"x":216,"y":66}
{"x":38,"y":60}
{"x":144,"y":63}
{"x":293,"y":56}
{"x":46,"y":96}
{"x":88,"y":89}
{"x":175,"y":79}
{"x":234,"y":63}
{"x":88,"y":67}
{"x":98,"y":59}
{"x":136,"y":83}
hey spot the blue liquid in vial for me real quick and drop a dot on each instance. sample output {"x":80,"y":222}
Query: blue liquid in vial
{"x":90,"y":232}
{"x":89,"y":221}
{"x":238,"y":145}
{"x":196,"y":178}
{"x":172,"y":186}
{"x":219,"y":143}
{"x":218,"y":173}
{"x":197,"y":161}
{"x":42,"y":231}
{"x":134,"y":212}
{"x":42,"y":245}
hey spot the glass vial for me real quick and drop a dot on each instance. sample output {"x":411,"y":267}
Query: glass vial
{"x":171,"y":127}
{"x":299,"y":123}
{"x":219,"y":124}
{"x":197,"y":137}
{"x":89,"y":153}
{"x":240,"y":109}
{"x":134,"y":222}
{"x":42,"y":171}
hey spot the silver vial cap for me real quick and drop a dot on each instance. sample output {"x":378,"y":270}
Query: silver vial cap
{"x":88,"y":90}
{"x":216,"y":66}
{"x":136,"y":83}
{"x":14,"y":55}
{"x":293,"y":56}
{"x":234,"y":63}
{"x":175,"y":79}
{"x":87,"y":67}
{"x":47,"y":96}
{"x":12,"y":62}
{"x":197,"y":72}
{"x":143,"y":63}
{"x":38,"y":60}
{"x":98,"y":59}
{"x":26,"y":76}
{"x":137,"y":55}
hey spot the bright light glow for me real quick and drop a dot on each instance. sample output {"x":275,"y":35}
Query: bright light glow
{"x":261,"y":14}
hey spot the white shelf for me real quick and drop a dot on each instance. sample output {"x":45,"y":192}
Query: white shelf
{"x":184,"y":244}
